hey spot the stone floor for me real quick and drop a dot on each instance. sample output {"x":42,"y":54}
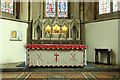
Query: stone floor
{"x":11,"y":65}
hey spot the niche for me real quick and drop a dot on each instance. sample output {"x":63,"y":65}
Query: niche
{"x":67,"y":34}
{"x":74,"y":32}
{"x":39,"y":32}
{"x":77,"y":34}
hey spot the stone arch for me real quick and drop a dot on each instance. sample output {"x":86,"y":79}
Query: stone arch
{"x":74,"y":23}
{"x":47,"y":22}
{"x":36,"y":23}
{"x":64,"y":23}
{"x":56,"y":22}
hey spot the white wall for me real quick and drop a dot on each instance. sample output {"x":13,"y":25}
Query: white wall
{"x":12,"y":51}
{"x":119,"y":42}
{"x":103,"y":34}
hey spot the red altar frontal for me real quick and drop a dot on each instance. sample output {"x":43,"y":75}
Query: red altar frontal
{"x":56,"y":56}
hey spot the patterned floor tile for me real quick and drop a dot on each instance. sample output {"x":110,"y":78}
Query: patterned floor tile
{"x":88,"y":75}
{"x":57,"y":75}
{"x":10,"y":74}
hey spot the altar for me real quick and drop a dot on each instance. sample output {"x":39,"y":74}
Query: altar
{"x":55,"y":43}
{"x":56,"y":55}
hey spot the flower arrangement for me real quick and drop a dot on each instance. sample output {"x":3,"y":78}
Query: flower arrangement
{"x":48,"y":29}
{"x":64,"y":29}
{"x":56,"y":29}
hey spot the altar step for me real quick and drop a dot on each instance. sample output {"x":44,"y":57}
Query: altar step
{"x":60,"y":70}
{"x":90,"y":68}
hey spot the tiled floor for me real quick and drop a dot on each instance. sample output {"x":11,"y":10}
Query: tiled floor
{"x":86,"y":73}
{"x":60,"y":75}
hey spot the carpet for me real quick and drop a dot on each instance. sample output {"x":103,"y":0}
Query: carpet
{"x":88,"y":65}
{"x":21,"y":65}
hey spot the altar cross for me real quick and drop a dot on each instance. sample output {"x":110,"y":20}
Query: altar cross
{"x":55,"y":54}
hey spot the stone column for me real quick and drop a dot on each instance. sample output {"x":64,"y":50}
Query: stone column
{"x":35,"y":10}
{"x":41,"y":9}
{"x":89,"y":8}
{"x":82,"y":20}
{"x":76,"y":10}
{"x":24,"y":10}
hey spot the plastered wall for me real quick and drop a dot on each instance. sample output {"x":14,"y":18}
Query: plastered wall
{"x":12,"y":51}
{"x":103,"y":34}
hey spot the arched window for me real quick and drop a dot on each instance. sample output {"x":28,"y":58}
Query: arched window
{"x":108,"y":9}
{"x":62,"y":8}
{"x":104,"y":6}
{"x":10,"y":8}
{"x":116,"y":5}
{"x":52,"y":9}
{"x":7,"y":6}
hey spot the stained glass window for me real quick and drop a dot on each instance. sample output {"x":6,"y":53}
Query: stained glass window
{"x":116,"y":5}
{"x":104,"y":6}
{"x":62,"y":8}
{"x":50,"y":8}
{"x":7,"y":6}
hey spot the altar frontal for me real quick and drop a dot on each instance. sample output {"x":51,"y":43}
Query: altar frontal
{"x":56,"y":56}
